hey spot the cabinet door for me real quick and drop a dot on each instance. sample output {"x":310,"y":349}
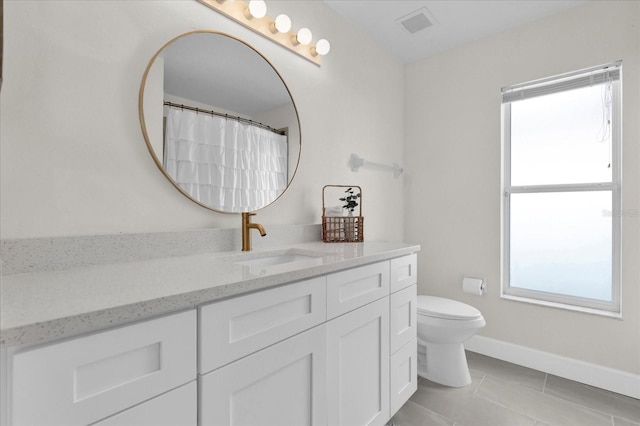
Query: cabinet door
{"x":175,"y":408}
{"x":83,"y":380}
{"x":350,"y":289}
{"x":404,"y":375}
{"x":236,"y":327}
{"x":281,"y":385}
{"x":358,"y":366}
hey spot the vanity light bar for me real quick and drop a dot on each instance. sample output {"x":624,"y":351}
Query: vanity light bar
{"x":254,"y":17}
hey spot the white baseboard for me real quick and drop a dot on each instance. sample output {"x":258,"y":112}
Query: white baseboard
{"x":590,"y":374}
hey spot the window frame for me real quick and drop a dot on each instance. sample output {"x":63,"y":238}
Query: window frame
{"x":611,"y":308}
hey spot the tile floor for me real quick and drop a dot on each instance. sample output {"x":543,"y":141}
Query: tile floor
{"x":505,"y":394}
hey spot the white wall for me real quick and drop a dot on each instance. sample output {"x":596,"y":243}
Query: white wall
{"x":73,"y":160}
{"x":452,"y":128}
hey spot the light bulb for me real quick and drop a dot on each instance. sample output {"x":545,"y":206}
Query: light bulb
{"x":304,"y":36}
{"x":257,"y":8}
{"x":323,"y":47}
{"x":283,"y":23}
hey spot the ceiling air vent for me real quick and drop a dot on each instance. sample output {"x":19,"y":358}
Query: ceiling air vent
{"x":416,"y":21}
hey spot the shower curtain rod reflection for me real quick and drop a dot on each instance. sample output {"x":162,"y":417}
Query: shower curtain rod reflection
{"x":219,"y":114}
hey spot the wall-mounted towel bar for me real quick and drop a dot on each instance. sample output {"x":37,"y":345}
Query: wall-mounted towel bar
{"x":355,"y":162}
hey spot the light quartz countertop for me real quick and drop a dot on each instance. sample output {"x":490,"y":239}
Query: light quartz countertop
{"x":45,"y":306}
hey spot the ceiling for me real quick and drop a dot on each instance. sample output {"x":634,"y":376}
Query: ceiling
{"x":454,"y":22}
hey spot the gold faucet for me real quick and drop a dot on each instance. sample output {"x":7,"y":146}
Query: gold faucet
{"x":246,"y":230}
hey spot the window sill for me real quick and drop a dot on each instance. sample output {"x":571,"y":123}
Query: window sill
{"x":564,"y":306}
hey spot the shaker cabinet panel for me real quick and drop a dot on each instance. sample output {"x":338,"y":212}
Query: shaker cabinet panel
{"x":178,"y":407}
{"x":83,"y":380}
{"x":404,"y":376}
{"x":283,"y":384}
{"x":402,"y":322}
{"x":404,"y":272}
{"x":358,"y":366}
{"x":350,"y":289}
{"x":239,"y":326}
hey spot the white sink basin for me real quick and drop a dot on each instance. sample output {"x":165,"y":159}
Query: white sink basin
{"x":278,"y":259}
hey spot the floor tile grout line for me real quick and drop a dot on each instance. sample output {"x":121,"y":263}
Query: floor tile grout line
{"x":434,"y":412}
{"x":616,"y":397}
{"x":609,"y":413}
{"x":564,"y":396}
{"x":506,"y":407}
{"x":587,"y":407}
{"x":484,"y":375}
{"x":561,"y":397}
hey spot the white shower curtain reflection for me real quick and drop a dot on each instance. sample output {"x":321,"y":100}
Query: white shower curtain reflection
{"x":223,"y":163}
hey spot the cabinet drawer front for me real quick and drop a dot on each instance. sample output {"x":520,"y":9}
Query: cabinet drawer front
{"x":176,"y":408}
{"x":404,"y":316}
{"x":404,"y":272}
{"x":237,"y":327}
{"x":283,"y":384}
{"x":80,"y":381}
{"x":350,"y":289}
{"x":403,"y":382}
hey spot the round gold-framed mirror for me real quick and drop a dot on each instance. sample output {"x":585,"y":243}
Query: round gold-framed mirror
{"x":219,"y":122}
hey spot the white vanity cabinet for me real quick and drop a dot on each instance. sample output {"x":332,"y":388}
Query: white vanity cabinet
{"x":371,"y":349}
{"x":233,"y":328}
{"x":259,"y":366}
{"x":358,"y":366}
{"x":358,"y":345}
{"x":332,"y":350}
{"x":403,"y":340}
{"x":87,"y":379}
{"x":336,"y":349}
{"x":403,"y":347}
{"x":283,"y":384}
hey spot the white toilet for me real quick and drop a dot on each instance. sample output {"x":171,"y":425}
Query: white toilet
{"x":443,"y":326}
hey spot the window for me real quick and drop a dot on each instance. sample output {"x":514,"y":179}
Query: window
{"x":561,"y":237}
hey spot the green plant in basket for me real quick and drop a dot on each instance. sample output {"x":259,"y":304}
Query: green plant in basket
{"x":350,"y":200}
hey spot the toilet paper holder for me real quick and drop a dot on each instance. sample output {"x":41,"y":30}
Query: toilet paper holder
{"x":474,"y":284}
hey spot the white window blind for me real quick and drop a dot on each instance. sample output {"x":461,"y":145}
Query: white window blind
{"x":574,"y":80}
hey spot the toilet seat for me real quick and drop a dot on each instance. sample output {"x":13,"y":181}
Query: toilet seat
{"x":439,"y":307}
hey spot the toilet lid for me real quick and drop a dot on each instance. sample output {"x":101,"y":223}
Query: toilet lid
{"x":440,"y":307}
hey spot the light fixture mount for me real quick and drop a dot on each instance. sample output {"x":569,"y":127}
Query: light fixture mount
{"x":264,"y":26}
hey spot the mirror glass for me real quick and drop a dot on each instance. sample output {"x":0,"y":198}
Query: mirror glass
{"x":219,"y":122}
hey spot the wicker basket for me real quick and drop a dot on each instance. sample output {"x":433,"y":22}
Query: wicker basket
{"x":342,"y":229}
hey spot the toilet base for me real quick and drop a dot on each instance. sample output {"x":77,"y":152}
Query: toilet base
{"x":444,"y":363}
